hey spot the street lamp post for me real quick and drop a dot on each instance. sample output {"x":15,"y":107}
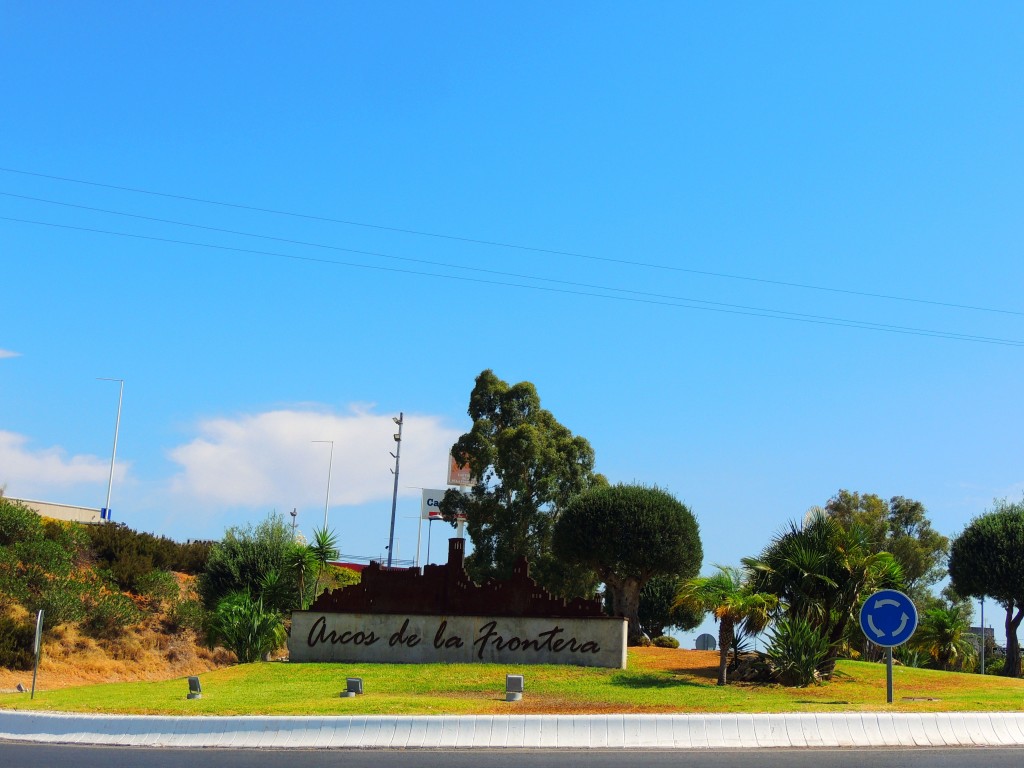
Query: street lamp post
{"x":399,"y":420}
{"x":330,"y":466}
{"x":105,"y":514}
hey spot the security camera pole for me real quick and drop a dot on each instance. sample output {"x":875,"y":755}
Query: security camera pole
{"x":394,"y":497}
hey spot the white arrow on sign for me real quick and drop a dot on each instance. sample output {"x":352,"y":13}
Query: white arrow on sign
{"x":903,"y":623}
{"x":904,"y":618}
{"x":887,"y":601}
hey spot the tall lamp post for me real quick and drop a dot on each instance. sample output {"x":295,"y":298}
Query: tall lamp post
{"x":105,"y":513}
{"x":399,"y":420}
{"x":330,"y":466}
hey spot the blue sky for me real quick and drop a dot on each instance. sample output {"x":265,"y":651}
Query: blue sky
{"x":657,"y":155}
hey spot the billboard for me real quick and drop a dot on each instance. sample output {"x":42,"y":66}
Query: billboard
{"x":430,"y":507}
{"x":459,"y":474}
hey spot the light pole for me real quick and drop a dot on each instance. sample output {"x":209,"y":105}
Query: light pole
{"x":399,"y":420}
{"x":294,"y":513}
{"x":105,"y":514}
{"x":330,"y":466}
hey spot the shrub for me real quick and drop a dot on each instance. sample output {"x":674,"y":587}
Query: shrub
{"x":664,"y":641}
{"x":131,"y":555}
{"x":244,"y":626}
{"x":61,"y":602}
{"x":994,"y":667}
{"x":797,"y":651}
{"x":17,"y":640}
{"x":18,"y":523}
{"x":47,"y":556}
{"x":188,"y":614}
{"x":110,"y":613}
{"x":242,"y":561}
{"x":161,"y":587}
{"x":72,"y":537}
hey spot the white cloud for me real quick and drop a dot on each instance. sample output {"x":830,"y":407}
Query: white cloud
{"x":269,"y":459}
{"x":7,"y":353}
{"x":48,"y":473}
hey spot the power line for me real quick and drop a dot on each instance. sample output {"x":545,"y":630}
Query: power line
{"x":528,"y":248}
{"x":409,"y":259}
{"x":519,"y":276}
{"x":660,"y":301}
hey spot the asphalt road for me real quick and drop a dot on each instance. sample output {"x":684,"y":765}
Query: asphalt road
{"x":14,"y":755}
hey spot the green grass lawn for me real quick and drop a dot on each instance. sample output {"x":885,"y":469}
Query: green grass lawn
{"x":649,"y":685}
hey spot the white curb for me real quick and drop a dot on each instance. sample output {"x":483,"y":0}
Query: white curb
{"x":740,"y":731}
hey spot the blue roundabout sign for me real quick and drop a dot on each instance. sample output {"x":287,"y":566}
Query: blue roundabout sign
{"x":888,"y":618}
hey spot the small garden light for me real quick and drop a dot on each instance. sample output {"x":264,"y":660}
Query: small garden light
{"x":513,"y":687}
{"x":195,"y":690}
{"x":353,"y":685}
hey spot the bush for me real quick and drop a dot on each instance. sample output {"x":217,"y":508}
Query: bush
{"x":188,"y":614}
{"x":161,"y":587}
{"x":61,"y":602}
{"x":17,"y":640}
{"x":244,"y":626}
{"x":994,"y":667}
{"x":797,"y":651}
{"x":664,"y":641}
{"x":18,"y":523}
{"x":110,"y":613}
{"x":47,"y":556}
{"x":72,"y":537}
{"x":131,"y":555}
{"x":242,"y":561}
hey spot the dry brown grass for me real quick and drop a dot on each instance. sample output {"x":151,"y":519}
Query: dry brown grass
{"x":147,"y":652}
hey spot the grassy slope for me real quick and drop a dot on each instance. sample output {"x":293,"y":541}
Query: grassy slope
{"x":657,"y":680}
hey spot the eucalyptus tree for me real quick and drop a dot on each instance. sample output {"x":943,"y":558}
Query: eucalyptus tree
{"x":528,"y":466}
{"x":899,"y":526}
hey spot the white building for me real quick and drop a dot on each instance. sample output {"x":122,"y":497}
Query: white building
{"x":61,"y":511}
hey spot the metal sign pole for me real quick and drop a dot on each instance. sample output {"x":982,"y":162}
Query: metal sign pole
{"x":888,"y":618}
{"x":430,"y":530}
{"x":888,"y":674}
{"x":38,"y":647}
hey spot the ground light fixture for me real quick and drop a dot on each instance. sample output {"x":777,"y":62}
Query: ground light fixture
{"x":513,"y":687}
{"x":195,"y":690}
{"x":353,"y":686}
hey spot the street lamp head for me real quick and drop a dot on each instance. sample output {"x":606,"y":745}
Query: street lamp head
{"x":396,"y":419}
{"x":398,"y":437}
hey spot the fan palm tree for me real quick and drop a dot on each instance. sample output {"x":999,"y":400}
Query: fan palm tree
{"x":821,"y":571}
{"x":728,"y":596}
{"x":942,"y":634}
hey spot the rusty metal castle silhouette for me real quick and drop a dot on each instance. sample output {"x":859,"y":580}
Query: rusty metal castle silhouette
{"x":447,"y":590}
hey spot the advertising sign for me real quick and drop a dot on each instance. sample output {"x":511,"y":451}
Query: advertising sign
{"x":459,"y":474}
{"x":430,"y":507}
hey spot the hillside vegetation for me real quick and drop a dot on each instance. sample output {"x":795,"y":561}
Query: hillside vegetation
{"x":117,"y":604}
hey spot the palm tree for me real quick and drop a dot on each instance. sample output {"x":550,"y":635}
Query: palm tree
{"x":302,"y":561}
{"x":324,"y":549}
{"x":821,"y":571}
{"x":942,"y":634}
{"x":729,"y":597}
